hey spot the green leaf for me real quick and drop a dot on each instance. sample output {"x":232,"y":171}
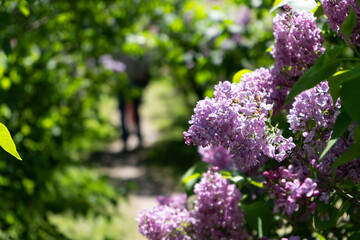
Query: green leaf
{"x":269,"y":49}
{"x":319,"y":236}
{"x":254,"y":212}
{"x":350,"y":98}
{"x":328,"y":147}
{"x":321,"y":223}
{"x":199,"y":167}
{"x":342,"y":124}
{"x":237,"y":77}
{"x":193,"y":175}
{"x":330,"y":210}
{"x":7,"y":143}
{"x":352,"y":152}
{"x":354,"y":236}
{"x":257,"y":184}
{"x":339,"y":78}
{"x":325,"y":66}
{"x":23,"y":7}
{"x":279,"y":3}
{"x":237,"y":179}
{"x":349,"y":24}
{"x":334,"y":85}
{"x":356,"y":134}
{"x":344,"y":76}
{"x":319,"y":11}
{"x":304,"y":5}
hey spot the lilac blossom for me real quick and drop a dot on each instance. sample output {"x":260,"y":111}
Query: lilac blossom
{"x":110,"y":63}
{"x":217,"y":156}
{"x":175,"y":201}
{"x":165,"y":223}
{"x":337,"y":11}
{"x":273,"y":84}
{"x":290,"y":189}
{"x":298,"y":42}
{"x":217,"y":212}
{"x":313,"y":114}
{"x":237,"y":119}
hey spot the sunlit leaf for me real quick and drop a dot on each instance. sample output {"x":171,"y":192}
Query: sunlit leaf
{"x":237,"y":77}
{"x":258,"y":184}
{"x":304,"y":5}
{"x":329,"y":145}
{"x":7,"y":143}
{"x":23,"y":7}
{"x":318,"y":11}
{"x":320,"y":237}
{"x":278,"y":4}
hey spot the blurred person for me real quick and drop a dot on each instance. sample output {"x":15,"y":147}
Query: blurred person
{"x":138,"y":71}
{"x":129,"y":98}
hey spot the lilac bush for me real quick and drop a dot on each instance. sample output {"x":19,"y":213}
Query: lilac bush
{"x":282,"y":166}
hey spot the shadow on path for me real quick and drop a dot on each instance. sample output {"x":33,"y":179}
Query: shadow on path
{"x":128,"y":170}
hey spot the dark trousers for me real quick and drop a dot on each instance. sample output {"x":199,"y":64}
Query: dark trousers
{"x":122,"y":107}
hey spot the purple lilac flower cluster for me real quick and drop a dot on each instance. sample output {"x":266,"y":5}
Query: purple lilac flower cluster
{"x":165,"y":223}
{"x":176,"y":201}
{"x":274,"y":85}
{"x":290,"y":190}
{"x":237,"y":120}
{"x":337,"y":11}
{"x":216,"y":214}
{"x":313,"y":113}
{"x":217,"y":211}
{"x":298,"y":42}
{"x":217,"y":156}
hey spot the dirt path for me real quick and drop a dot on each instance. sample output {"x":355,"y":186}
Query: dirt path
{"x":126,"y":169}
